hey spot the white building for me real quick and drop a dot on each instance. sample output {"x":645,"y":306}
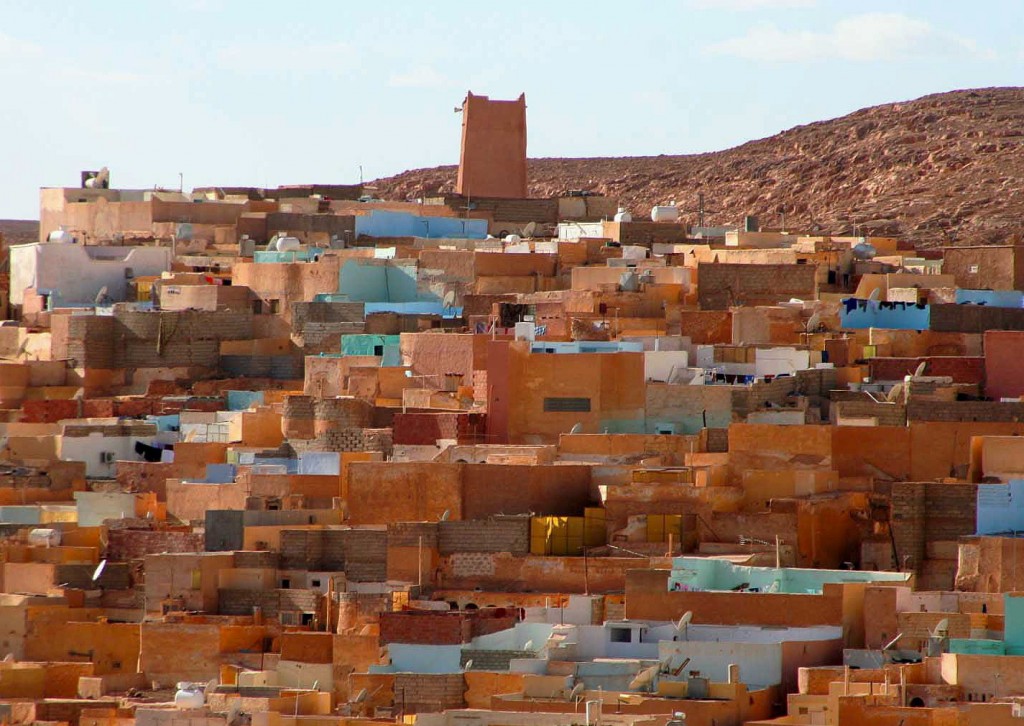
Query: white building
{"x":72,"y":274}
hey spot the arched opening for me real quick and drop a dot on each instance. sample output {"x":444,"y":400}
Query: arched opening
{"x":917,"y":702}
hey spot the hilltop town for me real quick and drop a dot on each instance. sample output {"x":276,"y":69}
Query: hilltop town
{"x":471,"y":453}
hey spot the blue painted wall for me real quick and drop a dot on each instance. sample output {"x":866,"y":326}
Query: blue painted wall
{"x":381,"y":223}
{"x":1001,"y":507}
{"x":369,"y":344}
{"x":1013,"y":624}
{"x":242,"y":400}
{"x":361,"y":281}
{"x":992,"y":298}
{"x":857,"y":314}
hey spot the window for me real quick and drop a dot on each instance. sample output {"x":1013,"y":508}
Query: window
{"x":378,"y":350}
{"x":567,"y":405}
{"x":621,"y":635}
{"x":974,"y":269}
{"x":316,"y":583}
{"x":275,"y":307}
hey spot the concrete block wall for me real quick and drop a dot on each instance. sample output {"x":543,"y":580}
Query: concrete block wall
{"x":302,"y":549}
{"x":724,"y":285}
{"x":496,"y":534}
{"x":442,"y":627}
{"x":923,"y":410}
{"x":297,"y":417}
{"x":378,"y":440}
{"x":411,"y":534}
{"x":491,"y":660}
{"x":115,"y":576}
{"x":922,"y":513}
{"x":271,"y":602}
{"x":888,"y":414}
{"x":975,"y":318}
{"x":429,"y":692}
{"x":257,"y":559}
{"x":360,"y":553}
{"x":133,"y":544}
{"x":276,"y":367}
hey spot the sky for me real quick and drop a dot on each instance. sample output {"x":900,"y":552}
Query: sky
{"x":269,"y":93}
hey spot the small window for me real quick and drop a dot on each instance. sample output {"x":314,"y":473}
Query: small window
{"x":378,"y":350}
{"x":973,"y":269}
{"x":567,"y":405}
{"x":285,"y":583}
{"x":307,"y":618}
{"x":316,"y":583}
{"x":275,"y":307}
{"x":621,"y":635}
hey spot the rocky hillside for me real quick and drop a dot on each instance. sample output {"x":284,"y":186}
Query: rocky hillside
{"x":19,"y":231}
{"x":941,"y":169}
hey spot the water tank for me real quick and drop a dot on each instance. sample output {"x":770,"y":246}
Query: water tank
{"x":864,"y":251}
{"x":623,"y":216}
{"x":629,"y":281}
{"x":60,"y":236}
{"x":189,"y":696}
{"x":665,"y":213}
{"x":288,"y":244}
{"x":513,"y":239}
{"x":44,"y":537}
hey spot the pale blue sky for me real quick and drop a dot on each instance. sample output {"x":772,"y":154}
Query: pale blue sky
{"x":269,"y":93}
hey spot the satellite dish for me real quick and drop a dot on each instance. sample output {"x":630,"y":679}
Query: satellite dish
{"x":102,"y":297}
{"x":576,"y":428}
{"x":892,"y":643}
{"x":684,"y":621}
{"x":99,"y":570}
{"x":360,"y":697}
{"x":529,"y":229}
{"x":9,"y":658}
{"x":316,"y":685}
{"x":920,"y":369}
{"x":234,"y":717}
{"x":577,"y":691}
{"x":643,"y":678}
{"x":469,"y":665}
{"x":528,"y":645}
{"x":813,"y":322}
{"x":449,"y":299}
{"x":875,"y":294}
{"x":444,"y":516}
{"x":941,"y":629}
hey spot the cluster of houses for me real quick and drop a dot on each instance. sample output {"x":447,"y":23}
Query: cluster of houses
{"x":306,"y":457}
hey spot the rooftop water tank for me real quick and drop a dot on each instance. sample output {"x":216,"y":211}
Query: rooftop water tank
{"x":623,"y":216}
{"x":665,"y":213}
{"x":60,"y":236}
{"x":189,"y":696}
{"x":864,"y":251}
{"x":44,"y":537}
{"x":288,"y":244}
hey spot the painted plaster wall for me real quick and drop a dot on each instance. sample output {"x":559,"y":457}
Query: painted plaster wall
{"x":76,"y":276}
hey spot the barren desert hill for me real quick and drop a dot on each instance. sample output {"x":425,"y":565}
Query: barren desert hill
{"x":19,"y":231}
{"x":940,"y":169}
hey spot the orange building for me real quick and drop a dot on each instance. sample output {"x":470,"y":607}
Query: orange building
{"x":493,"y":162}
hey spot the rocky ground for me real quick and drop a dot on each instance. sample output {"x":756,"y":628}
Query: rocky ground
{"x":19,"y":231}
{"x":942,"y":169}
